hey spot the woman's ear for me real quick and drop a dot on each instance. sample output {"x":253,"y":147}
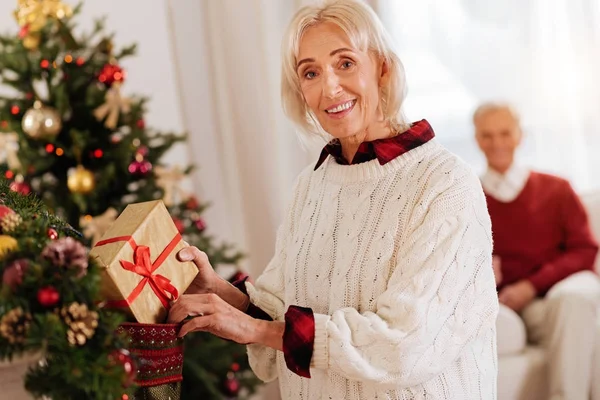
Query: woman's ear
{"x":384,"y":72}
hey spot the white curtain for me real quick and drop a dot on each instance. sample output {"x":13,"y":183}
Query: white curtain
{"x":541,"y":55}
{"x":227,"y":53}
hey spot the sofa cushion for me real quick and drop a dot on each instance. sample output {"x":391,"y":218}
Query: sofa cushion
{"x":511,"y":334}
{"x":523,"y":376}
{"x":591,"y":201}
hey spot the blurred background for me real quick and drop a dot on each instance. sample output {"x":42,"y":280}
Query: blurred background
{"x":211,"y":68}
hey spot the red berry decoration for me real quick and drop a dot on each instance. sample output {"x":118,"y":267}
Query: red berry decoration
{"x":24,"y":31}
{"x":123,"y":357}
{"x":52,"y":233}
{"x":13,"y":274}
{"x":142,"y":151}
{"x":192,"y":203}
{"x":231,"y":385}
{"x":110,"y":74}
{"x":179,"y":225}
{"x":200,"y":224}
{"x":140,"y":168}
{"x":48,"y":296}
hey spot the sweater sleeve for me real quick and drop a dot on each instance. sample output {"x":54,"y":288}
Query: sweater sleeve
{"x":580,"y":247}
{"x":268,"y":291}
{"x":440,"y":298}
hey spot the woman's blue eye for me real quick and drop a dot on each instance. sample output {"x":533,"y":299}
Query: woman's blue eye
{"x":347,"y":64}
{"x":309,"y":75}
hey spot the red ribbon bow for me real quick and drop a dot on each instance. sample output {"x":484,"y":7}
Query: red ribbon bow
{"x":159,"y":284}
{"x":142,"y":265}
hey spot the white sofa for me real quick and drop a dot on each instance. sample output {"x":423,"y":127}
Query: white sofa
{"x":522,"y":367}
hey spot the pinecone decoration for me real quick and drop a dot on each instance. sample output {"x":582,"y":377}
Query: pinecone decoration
{"x":10,"y":222}
{"x":14,"y":325}
{"x":81,"y":321}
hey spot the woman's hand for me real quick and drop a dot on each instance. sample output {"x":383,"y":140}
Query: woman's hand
{"x":207,"y":279}
{"x":497,"y":264}
{"x":210,"y":313}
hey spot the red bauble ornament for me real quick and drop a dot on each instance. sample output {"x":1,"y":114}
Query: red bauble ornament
{"x":4,"y":211}
{"x":20,"y":187}
{"x":140,"y":168}
{"x":123,"y":358}
{"x":235,"y":367}
{"x":200,"y":224}
{"x":52,"y":234}
{"x":140,"y":124}
{"x":48,"y":296}
{"x":232,"y":385}
{"x":179,"y":225}
{"x":110,"y":74}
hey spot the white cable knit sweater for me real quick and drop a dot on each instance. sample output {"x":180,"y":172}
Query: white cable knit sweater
{"x":395,"y":262}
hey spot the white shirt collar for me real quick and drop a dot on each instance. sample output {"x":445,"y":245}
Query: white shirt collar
{"x":505,"y":187}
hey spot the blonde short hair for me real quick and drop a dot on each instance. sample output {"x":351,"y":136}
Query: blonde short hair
{"x":490,"y":107}
{"x":366,"y":32}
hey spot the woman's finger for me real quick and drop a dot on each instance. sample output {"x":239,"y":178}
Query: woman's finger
{"x":192,"y":253}
{"x":192,"y":305}
{"x":195,"y":324}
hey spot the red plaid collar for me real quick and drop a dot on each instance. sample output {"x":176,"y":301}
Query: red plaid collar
{"x":384,"y":150}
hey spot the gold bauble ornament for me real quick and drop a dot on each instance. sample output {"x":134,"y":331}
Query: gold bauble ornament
{"x":81,"y":180}
{"x":41,"y":122}
{"x":31,"y":41}
{"x":7,"y":244}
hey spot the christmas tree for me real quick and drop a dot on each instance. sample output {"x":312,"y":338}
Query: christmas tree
{"x":68,"y":134}
{"x":49,"y":307}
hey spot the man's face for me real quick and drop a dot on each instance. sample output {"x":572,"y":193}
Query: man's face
{"x":498,"y":135}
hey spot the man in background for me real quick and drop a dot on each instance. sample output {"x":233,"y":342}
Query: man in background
{"x":544,"y":254}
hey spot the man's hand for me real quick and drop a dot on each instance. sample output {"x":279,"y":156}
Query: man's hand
{"x":497,"y":265}
{"x":518,"y":295}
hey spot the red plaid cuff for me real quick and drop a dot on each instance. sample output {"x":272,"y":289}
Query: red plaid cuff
{"x":299,"y":339}
{"x":253,"y":311}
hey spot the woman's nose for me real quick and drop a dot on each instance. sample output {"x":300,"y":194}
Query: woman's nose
{"x":331,"y":84}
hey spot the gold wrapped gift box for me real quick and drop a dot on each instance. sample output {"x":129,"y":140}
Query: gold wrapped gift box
{"x":141,"y":273}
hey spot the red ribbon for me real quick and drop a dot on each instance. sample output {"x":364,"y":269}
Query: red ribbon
{"x":142,"y":265}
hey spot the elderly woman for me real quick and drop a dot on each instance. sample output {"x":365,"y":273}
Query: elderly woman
{"x":381,"y":285}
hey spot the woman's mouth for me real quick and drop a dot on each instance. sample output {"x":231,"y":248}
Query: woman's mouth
{"x":341,"y":110}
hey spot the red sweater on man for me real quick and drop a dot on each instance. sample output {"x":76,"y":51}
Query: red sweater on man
{"x":542,"y":235}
